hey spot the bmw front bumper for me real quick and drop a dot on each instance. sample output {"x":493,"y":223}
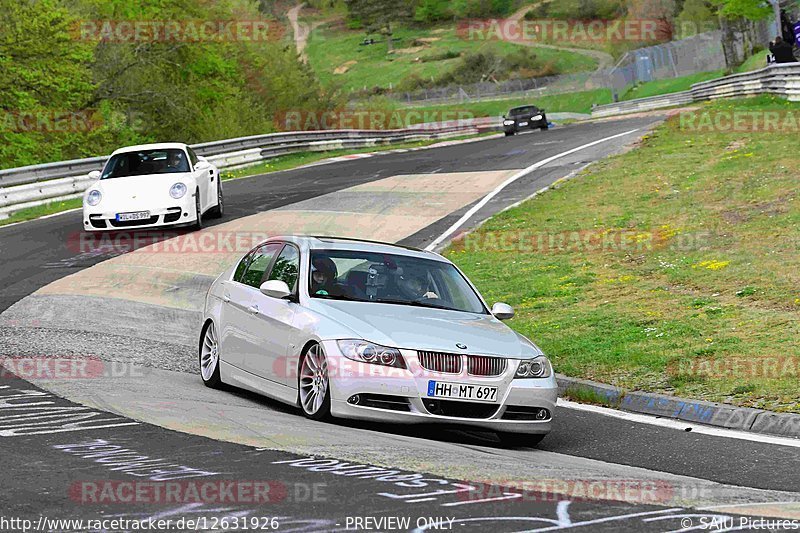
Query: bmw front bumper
{"x":373,"y":392}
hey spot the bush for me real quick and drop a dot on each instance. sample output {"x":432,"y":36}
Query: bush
{"x":442,"y":56}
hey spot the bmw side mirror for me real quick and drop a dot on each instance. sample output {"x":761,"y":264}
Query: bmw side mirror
{"x":94,"y":175}
{"x":502,"y":311}
{"x":276,"y":289}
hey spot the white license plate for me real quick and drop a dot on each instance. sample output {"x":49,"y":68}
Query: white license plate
{"x":139,"y":215}
{"x":461,"y":391}
{"x":523,"y":123}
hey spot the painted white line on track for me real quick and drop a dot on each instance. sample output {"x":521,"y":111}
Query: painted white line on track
{"x":740,"y":505}
{"x":521,"y":174}
{"x":681,"y":425}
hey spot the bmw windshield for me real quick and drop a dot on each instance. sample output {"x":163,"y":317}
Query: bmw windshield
{"x":524,"y":111}
{"x":146,"y":162}
{"x":390,"y":279}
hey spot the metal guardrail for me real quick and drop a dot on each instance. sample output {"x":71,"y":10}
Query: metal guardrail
{"x":781,"y":80}
{"x":38,"y":184}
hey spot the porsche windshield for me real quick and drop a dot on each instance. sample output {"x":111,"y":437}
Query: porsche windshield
{"x":145,"y":162}
{"x":392,"y":279}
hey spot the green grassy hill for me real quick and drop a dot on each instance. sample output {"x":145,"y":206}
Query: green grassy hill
{"x":424,"y":53}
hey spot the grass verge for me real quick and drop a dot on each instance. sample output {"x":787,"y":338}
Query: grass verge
{"x":679,"y":272}
{"x":669,"y":86}
{"x":578,"y":102}
{"x":41,"y":211}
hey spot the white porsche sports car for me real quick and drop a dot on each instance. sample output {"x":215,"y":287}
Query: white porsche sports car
{"x":373,"y":331}
{"x":153,"y":185}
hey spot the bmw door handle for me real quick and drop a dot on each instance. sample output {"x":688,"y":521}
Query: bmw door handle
{"x":253,"y":309}
{"x":226,"y":298}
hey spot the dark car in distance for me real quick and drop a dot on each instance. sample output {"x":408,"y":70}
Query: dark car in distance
{"x":524,"y":118}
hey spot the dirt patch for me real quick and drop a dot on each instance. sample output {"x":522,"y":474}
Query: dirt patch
{"x":738,"y":144}
{"x":412,"y":50}
{"x":769,"y":209}
{"x":428,"y":39}
{"x":344,"y":67}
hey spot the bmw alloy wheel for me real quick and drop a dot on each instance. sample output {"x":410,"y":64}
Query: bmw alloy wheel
{"x":209,"y":357}
{"x":315,"y":396}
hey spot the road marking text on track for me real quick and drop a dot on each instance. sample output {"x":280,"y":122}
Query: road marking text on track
{"x":32,"y":412}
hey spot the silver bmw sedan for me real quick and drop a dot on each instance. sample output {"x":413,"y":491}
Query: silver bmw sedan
{"x":366,"y":330}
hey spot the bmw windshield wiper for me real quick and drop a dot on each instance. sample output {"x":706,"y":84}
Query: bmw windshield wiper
{"x":340,"y":297}
{"x":414,"y":304}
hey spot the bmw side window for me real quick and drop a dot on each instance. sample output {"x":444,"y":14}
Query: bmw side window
{"x":287,"y":267}
{"x":258,"y":265}
{"x":237,"y":275}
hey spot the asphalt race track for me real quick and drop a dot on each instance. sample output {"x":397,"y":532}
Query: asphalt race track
{"x":67,"y":443}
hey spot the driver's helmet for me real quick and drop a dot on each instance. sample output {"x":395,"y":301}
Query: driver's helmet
{"x":323,"y":272}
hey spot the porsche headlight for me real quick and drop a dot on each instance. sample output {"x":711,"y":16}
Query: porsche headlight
{"x":533,"y":368}
{"x":537,"y":117}
{"x":94,"y":197}
{"x":367,"y":352}
{"x":508,"y":123}
{"x":178,"y":191}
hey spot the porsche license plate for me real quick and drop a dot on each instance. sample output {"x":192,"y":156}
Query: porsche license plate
{"x":139,"y":215}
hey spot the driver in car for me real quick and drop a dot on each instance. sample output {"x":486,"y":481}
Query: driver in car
{"x":175,"y":161}
{"x":414,"y":287}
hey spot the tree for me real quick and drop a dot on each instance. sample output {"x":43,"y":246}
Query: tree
{"x":696,"y":17}
{"x":377,"y":16}
{"x":735,"y":17}
{"x":749,"y":9}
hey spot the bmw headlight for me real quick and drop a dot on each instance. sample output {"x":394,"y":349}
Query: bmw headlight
{"x":533,"y":368}
{"x":94,"y":197}
{"x":537,"y":117}
{"x":178,"y":191}
{"x":508,"y":123}
{"x":367,"y":352}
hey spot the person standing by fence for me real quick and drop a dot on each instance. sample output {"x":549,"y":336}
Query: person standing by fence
{"x":782,"y":51}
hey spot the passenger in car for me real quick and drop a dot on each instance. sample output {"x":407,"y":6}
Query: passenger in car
{"x":323,"y":277}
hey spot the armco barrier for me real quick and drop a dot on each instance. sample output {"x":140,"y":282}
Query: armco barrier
{"x":781,"y":80}
{"x":38,"y":184}
{"x":643,"y":104}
